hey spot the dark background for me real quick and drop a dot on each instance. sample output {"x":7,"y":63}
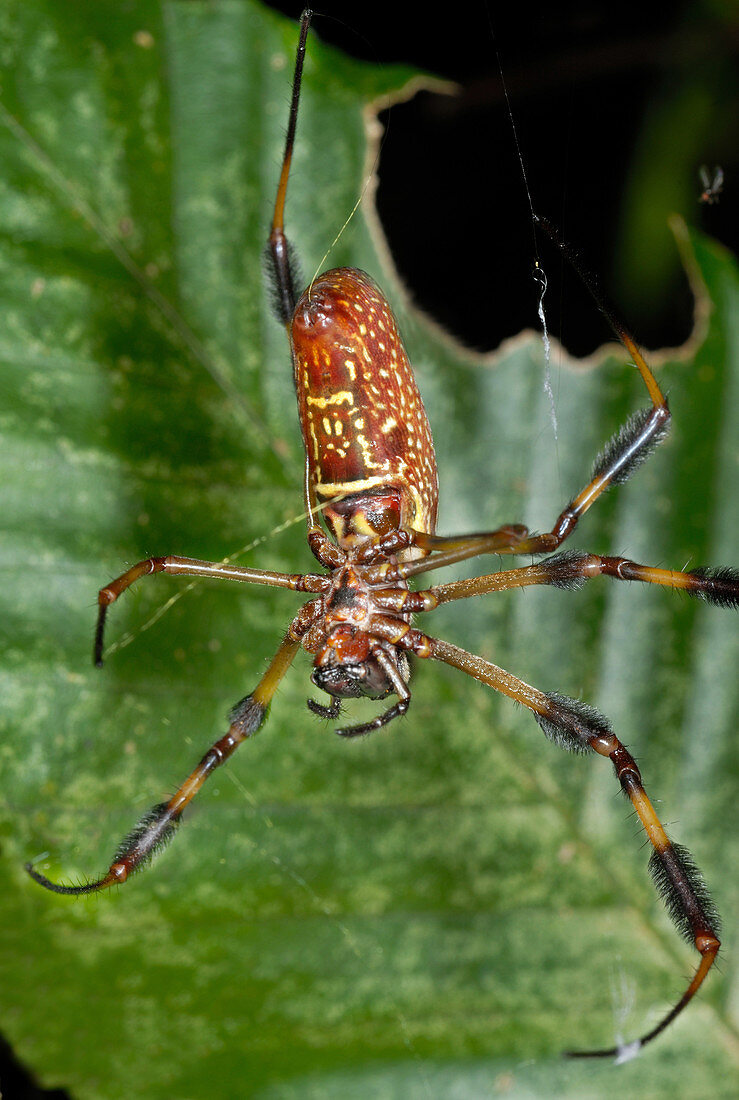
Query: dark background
{"x":601,"y":95}
{"x":616,"y":108}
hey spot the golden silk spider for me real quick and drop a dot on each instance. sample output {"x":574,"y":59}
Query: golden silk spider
{"x":371,"y":476}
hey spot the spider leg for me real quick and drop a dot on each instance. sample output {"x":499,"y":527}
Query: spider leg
{"x":157,"y":827}
{"x":578,"y":727}
{"x":192,"y":567}
{"x":631,"y":445}
{"x":627,"y":449}
{"x":571,"y":569}
{"x":446,"y":550}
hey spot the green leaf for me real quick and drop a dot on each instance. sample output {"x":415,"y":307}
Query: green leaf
{"x":437,"y":910}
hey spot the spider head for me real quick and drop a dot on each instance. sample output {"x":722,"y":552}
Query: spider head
{"x":345,"y":666}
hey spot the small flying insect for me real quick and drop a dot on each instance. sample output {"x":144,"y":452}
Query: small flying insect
{"x":371,"y":476}
{"x":712,"y":184}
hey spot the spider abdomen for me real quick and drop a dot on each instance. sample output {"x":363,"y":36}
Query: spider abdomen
{"x":366,"y":435}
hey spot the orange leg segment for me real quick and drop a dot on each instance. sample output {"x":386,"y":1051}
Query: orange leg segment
{"x":158,"y":826}
{"x":580,"y":728}
{"x":571,"y":569}
{"x":193,"y":567}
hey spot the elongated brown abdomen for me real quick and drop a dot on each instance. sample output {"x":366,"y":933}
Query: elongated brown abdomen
{"x":364,"y":425}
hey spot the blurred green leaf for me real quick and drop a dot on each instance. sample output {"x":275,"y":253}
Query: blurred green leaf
{"x":442,"y":908}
